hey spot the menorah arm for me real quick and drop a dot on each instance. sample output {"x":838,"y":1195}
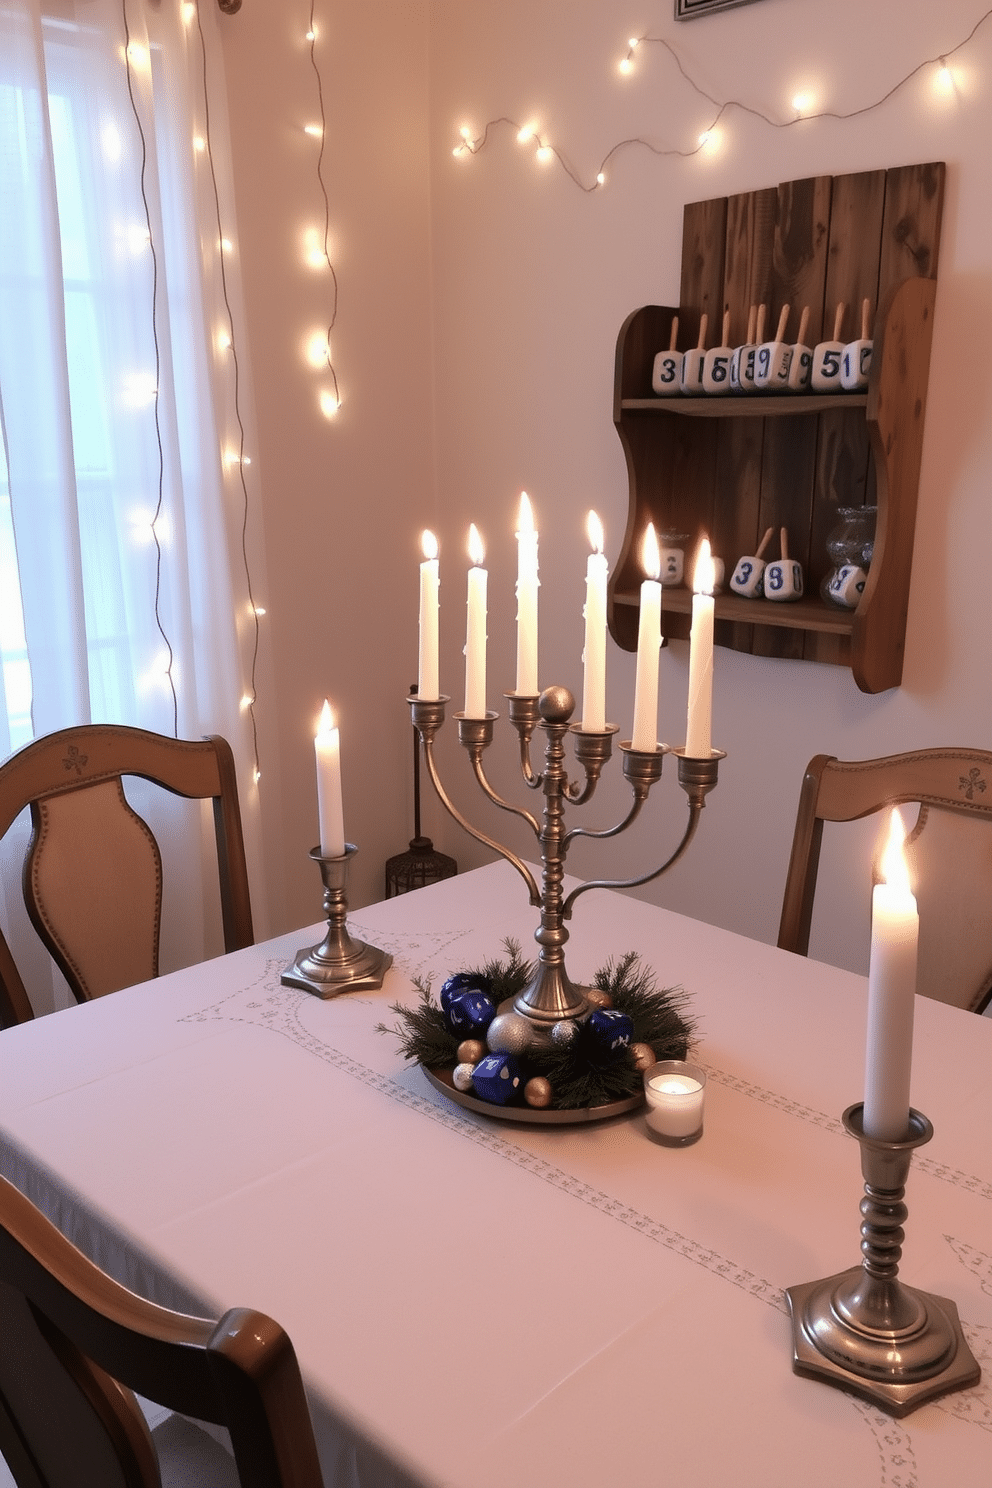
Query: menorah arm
{"x":633,"y":883}
{"x":466,"y":826}
{"x":497,"y":799}
{"x":621,"y":826}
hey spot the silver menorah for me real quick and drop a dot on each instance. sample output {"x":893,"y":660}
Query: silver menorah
{"x":550,"y":996}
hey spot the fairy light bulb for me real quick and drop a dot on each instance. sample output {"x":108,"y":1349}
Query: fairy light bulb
{"x":316,"y":131}
{"x":330,"y":403}
{"x":524,"y":134}
{"x":223,"y":341}
{"x":601,"y":179}
{"x":317,"y":351}
{"x":199,"y":144}
{"x":802,"y":103}
{"x":188,"y":13}
{"x":544,"y":153}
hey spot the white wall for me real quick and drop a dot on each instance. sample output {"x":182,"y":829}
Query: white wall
{"x":335,"y":499}
{"x":486,"y":293}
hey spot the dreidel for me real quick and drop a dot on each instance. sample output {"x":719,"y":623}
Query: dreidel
{"x":784,"y":578}
{"x":666,"y":378}
{"x":827,"y":357}
{"x":691,"y":380}
{"x":747,"y":578}
{"x":774,"y":358}
{"x":716,"y":364}
{"x":856,"y":358}
{"x":802,"y":358}
{"x":742,"y":361}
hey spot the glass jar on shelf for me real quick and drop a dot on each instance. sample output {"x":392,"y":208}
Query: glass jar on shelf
{"x":850,"y":545}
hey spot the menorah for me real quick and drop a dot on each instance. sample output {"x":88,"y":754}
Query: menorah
{"x":550,"y":995}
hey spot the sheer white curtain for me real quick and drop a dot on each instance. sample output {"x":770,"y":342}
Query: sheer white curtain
{"x":124,"y":591}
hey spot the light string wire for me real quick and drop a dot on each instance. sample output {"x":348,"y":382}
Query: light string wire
{"x":545,"y":150}
{"x":160,"y":496}
{"x":252,"y":693}
{"x":312,"y":39}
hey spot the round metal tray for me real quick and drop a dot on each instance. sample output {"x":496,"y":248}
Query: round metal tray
{"x":441,"y":1080}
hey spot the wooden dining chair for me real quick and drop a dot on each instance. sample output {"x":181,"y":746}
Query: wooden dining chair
{"x":948,"y":851}
{"x":77,"y":1347}
{"x":92,"y":876}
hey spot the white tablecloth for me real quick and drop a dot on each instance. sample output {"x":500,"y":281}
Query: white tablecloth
{"x":481,"y":1304}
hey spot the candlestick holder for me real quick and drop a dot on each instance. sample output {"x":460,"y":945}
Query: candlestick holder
{"x":864,"y":1330}
{"x":339,"y":963}
{"x":550,"y":996}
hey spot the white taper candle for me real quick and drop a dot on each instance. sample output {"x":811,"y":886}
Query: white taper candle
{"x":895,"y":927}
{"x":645,"y":734}
{"x":475,"y":632}
{"x":594,"y":656}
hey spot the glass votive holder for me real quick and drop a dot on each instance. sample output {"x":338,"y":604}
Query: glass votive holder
{"x":674,"y":1092}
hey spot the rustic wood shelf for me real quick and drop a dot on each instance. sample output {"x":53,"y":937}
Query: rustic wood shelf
{"x":728,"y":467}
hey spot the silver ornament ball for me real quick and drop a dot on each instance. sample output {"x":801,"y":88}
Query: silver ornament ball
{"x":565,"y":1032}
{"x":509,"y":1033}
{"x":461,"y":1076}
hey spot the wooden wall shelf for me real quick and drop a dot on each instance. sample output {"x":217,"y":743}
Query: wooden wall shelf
{"x":729,"y":467}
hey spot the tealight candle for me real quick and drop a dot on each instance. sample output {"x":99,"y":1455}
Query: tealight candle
{"x":674,"y":1092}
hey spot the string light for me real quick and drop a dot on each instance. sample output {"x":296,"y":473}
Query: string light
{"x":709,"y":138}
{"x":231,"y":458}
{"x":329,"y":399}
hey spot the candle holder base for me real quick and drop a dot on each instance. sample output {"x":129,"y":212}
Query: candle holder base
{"x":863,"y":1330}
{"x":339,"y":963}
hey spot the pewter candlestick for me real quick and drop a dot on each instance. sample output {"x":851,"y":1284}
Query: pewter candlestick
{"x":863,"y":1329}
{"x":550,"y":996}
{"x":338,"y":964}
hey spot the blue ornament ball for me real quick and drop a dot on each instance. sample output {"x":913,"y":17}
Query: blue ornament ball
{"x":498,"y":1078}
{"x":612,"y":1033}
{"x":464,"y":981}
{"x":469,"y":1014}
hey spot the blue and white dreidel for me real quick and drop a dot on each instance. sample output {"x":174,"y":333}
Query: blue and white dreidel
{"x":856,"y":359}
{"x":784,"y":578}
{"x":747,"y":578}
{"x":716,"y":364}
{"x":801,"y":368}
{"x":692,"y":362}
{"x":827,"y":359}
{"x":742,"y":361}
{"x":846,"y":586}
{"x":773,"y":360}
{"x":666,"y":378}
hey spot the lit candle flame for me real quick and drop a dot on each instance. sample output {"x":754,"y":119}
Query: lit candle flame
{"x":476,"y":551}
{"x":893,"y":866}
{"x":651,"y":554}
{"x":428,"y":543}
{"x":525,"y":520}
{"x":594,"y":528}
{"x":704,"y":574}
{"x":326,"y":719}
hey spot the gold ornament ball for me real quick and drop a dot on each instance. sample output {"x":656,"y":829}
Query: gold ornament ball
{"x":643,"y":1056}
{"x":470,"y":1051}
{"x":537,"y":1092}
{"x":597,"y":998}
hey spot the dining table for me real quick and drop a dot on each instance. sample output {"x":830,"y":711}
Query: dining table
{"x":478,"y":1301}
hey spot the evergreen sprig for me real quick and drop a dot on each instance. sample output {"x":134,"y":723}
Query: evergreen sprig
{"x":578,"y":1074}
